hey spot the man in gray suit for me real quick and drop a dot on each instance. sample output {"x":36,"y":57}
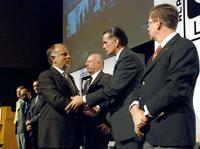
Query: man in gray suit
{"x":18,"y":103}
{"x":22,"y":112}
{"x":126,"y":76}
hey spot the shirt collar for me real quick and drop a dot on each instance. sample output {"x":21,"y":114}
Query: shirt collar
{"x":118,"y":54}
{"x":165,"y":41}
{"x":59,"y":70}
{"x":95,"y":75}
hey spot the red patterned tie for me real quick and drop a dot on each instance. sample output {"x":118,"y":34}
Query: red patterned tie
{"x":156,"y":52}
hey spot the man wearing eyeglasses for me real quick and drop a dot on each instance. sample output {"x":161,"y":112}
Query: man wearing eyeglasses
{"x":165,"y":96}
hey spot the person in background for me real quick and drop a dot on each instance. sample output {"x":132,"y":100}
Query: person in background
{"x":32,"y":118}
{"x":97,"y":129}
{"x":18,"y":103}
{"x":22,"y":113}
{"x":162,"y":107}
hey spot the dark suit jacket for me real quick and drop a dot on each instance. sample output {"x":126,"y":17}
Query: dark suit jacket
{"x":127,"y":73}
{"x":56,"y":128}
{"x":91,"y":124}
{"x":167,"y":90}
{"x":33,"y":115}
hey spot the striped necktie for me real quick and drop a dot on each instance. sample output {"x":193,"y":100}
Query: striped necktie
{"x":87,"y":86}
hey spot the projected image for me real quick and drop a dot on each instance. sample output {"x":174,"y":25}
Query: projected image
{"x":84,"y":21}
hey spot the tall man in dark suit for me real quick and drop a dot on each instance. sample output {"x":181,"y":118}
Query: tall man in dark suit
{"x":97,"y":129}
{"x":127,"y":73}
{"x":57,"y":129}
{"x":32,"y":118}
{"x":167,"y":86}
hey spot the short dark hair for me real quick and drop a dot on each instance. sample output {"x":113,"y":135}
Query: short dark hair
{"x":116,"y":32}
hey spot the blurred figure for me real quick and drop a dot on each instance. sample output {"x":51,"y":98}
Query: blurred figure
{"x":22,"y":112}
{"x":18,"y":103}
{"x":32,"y":118}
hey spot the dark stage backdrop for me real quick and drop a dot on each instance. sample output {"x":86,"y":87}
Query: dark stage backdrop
{"x":27,"y":29}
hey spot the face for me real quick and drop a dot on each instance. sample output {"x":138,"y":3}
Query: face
{"x":25,"y":95}
{"x":18,"y":92}
{"x":152,"y":28}
{"x":36,"y":86}
{"x":62,"y":60}
{"x":108,"y":45}
{"x":92,"y":64}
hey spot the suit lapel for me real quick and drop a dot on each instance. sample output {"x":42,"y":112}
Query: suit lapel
{"x":151,"y":63}
{"x":59,"y":76}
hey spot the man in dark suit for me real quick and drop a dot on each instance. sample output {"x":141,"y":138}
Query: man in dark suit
{"x":166,"y":92}
{"x":127,"y":73}
{"x":22,"y":113}
{"x":32,"y":118}
{"x":97,"y":129}
{"x":57,"y":129}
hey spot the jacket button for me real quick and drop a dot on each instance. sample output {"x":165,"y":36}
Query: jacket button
{"x":140,"y":98}
{"x":143,"y":83}
{"x":161,"y":114}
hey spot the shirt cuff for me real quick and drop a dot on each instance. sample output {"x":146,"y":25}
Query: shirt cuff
{"x":84,"y":99}
{"x":146,"y":112}
{"x":133,"y":103}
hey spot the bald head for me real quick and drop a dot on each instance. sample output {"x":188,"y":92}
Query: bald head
{"x":94,"y":63}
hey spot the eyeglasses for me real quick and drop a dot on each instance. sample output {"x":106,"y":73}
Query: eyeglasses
{"x":149,"y":23}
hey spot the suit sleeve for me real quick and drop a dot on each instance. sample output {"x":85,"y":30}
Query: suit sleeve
{"x":125,"y":70}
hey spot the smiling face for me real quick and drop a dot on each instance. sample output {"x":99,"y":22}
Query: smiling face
{"x":109,"y":45}
{"x":62,"y":58}
{"x":36,"y":86}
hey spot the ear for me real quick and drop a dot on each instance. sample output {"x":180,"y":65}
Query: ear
{"x":116,"y":42}
{"x":159,"y":23}
{"x":52,"y":58}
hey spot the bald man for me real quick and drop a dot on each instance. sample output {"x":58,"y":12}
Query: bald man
{"x":97,"y":128}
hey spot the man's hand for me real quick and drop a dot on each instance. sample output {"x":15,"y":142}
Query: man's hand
{"x":91,"y":112}
{"x":138,"y":116}
{"x":105,"y":130}
{"x":74,"y":104}
{"x":28,"y":128}
{"x":138,"y":132}
{"x":27,"y":122}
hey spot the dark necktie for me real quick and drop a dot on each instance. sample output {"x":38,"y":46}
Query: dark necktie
{"x":66,"y":75}
{"x":156,"y":52}
{"x":87,"y":86}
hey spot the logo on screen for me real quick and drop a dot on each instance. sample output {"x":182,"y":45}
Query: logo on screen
{"x":192,"y":19}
